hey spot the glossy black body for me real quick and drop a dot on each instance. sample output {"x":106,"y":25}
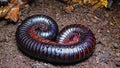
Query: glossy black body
{"x":57,"y":52}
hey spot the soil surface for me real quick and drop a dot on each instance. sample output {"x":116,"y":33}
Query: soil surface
{"x":104,"y":23}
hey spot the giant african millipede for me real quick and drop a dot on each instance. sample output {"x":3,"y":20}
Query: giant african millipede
{"x":36,"y":37}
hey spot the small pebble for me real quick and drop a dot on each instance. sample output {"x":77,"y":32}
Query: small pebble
{"x":116,"y":46}
{"x":38,"y":65}
{"x":99,"y":30}
{"x":102,"y":57}
{"x":69,"y":9}
{"x":117,"y":62}
{"x":108,"y":31}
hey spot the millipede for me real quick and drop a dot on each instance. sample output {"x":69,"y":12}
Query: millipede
{"x":38,"y":36}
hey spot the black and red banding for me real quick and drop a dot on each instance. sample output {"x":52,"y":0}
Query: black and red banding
{"x":38,"y":37}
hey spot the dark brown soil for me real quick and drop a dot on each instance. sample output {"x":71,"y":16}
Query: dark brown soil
{"x":104,"y":23}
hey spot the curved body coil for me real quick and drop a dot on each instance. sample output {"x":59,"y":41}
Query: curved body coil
{"x":36,"y":37}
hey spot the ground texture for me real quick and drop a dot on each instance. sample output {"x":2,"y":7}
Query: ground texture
{"x":104,"y":23}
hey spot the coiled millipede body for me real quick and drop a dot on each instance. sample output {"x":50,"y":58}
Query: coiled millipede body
{"x":37,"y":37}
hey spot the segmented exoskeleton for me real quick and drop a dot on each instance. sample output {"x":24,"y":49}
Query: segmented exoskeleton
{"x":36,"y":36}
